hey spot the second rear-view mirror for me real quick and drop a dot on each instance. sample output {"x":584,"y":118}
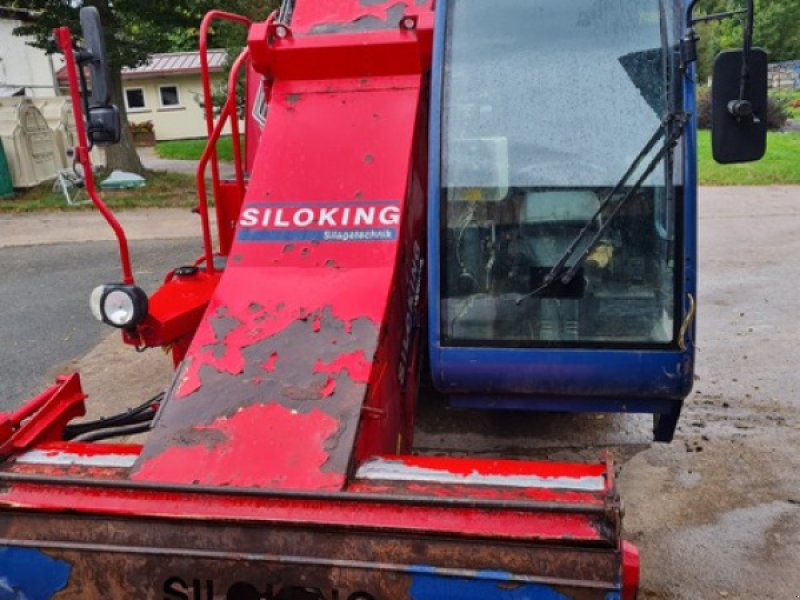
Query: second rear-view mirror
{"x":739,"y":107}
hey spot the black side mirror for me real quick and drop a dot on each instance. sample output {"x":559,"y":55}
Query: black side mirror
{"x":739,"y":107}
{"x":96,"y":59}
{"x":103,"y":120}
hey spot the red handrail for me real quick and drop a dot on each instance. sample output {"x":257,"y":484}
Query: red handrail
{"x":209,"y":114}
{"x":229,"y":110}
{"x":64,"y":40}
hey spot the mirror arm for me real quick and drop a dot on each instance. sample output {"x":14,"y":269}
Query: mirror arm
{"x":741,"y":108}
{"x":719,"y":16}
{"x":747,"y":44}
{"x":690,"y":38}
{"x":82,"y":56}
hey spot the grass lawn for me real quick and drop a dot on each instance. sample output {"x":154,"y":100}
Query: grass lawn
{"x":781,"y":165}
{"x":193,"y":149}
{"x":162,"y":190}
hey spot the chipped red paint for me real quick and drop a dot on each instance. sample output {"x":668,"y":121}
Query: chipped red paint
{"x":489,"y":523}
{"x":317,"y":275}
{"x":329,"y":388}
{"x":251,"y":327}
{"x":269,"y":366}
{"x":355,"y":364}
{"x":257,"y":431}
{"x":485,"y":492}
{"x":501,"y":467}
{"x":89,"y":449}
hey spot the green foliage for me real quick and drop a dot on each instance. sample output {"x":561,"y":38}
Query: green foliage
{"x":779,"y":167}
{"x":779,"y":109}
{"x":233,"y":38}
{"x":776,"y":29}
{"x":134,"y":28}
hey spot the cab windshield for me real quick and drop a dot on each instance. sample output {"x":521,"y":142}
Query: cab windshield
{"x":545,"y":105}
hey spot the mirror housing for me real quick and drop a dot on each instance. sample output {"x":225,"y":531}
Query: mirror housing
{"x":739,"y":107}
{"x":104,"y":125}
{"x":96,"y":58}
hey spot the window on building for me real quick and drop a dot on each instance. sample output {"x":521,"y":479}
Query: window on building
{"x":169,"y":96}
{"x":134,"y":98}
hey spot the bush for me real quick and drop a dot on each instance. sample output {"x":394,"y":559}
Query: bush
{"x":777,"y":109}
{"x":704,"y":108}
{"x":144,"y":127}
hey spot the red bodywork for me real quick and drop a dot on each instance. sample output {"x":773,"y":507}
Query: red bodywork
{"x":290,"y":419}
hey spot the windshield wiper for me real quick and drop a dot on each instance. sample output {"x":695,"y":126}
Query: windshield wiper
{"x":672,"y":127}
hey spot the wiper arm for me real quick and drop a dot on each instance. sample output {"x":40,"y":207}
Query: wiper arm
{"x":673,"y":135}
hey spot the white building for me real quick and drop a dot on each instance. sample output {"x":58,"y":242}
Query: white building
{"x":167,"y":91}
{"x":24,"y":70}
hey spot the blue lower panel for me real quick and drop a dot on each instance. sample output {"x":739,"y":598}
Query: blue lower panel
{"x":485,"y":585}
{"x":29,"y":574}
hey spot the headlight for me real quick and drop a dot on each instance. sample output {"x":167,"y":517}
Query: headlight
{"x":119,"y":305}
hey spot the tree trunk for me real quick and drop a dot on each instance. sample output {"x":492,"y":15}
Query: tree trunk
{"x":122,"y":156}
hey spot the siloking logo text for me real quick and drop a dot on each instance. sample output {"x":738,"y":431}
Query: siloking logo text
{"x":364,"y":221}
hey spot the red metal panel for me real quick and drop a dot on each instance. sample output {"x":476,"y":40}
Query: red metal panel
{"x":258,"y":89}
{"x":293,"y":304}
{"x":43,"y":418}
{"x":175,"y":310}
{"x":494,"y":523}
